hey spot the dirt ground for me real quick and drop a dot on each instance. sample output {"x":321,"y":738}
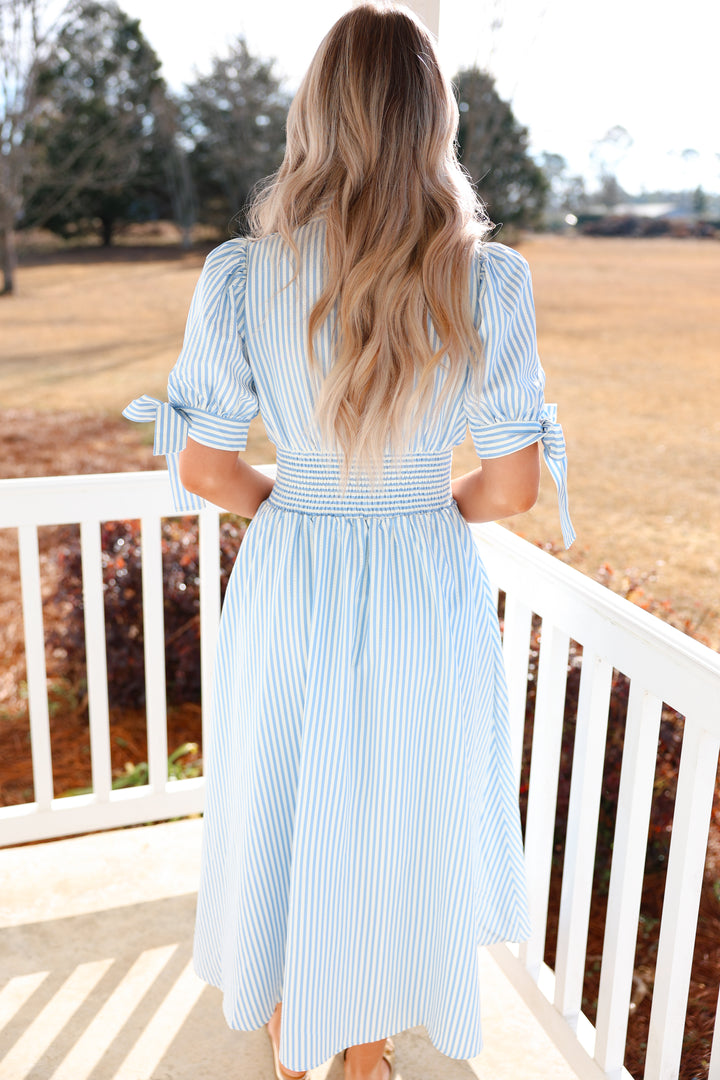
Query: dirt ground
{"x":628,"y":330}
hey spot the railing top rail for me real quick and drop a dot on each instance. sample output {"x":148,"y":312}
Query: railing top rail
{"x":635,"y":641}
{"x":664,"y":665}
{"x":64,"y":500}
{"x":513,"y":550}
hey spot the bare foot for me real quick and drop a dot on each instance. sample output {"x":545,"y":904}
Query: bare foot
{"x":381,"y":1071}
{"x":274,"y":1030}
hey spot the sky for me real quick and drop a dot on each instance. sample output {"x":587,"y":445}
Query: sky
{"x":571,"y":69}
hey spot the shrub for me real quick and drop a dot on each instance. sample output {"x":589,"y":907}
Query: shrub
{"x":122,"y":586}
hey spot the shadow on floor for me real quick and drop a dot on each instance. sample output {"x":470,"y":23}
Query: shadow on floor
{"x":111,"y":995}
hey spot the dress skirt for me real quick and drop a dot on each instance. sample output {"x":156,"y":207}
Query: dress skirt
{"x":362,"y":836}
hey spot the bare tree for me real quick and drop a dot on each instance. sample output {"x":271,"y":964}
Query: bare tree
{"x":176,"y":168}
{"x":607,"y":154}
{"x":24,"y":33}
{"x":235,"y":119}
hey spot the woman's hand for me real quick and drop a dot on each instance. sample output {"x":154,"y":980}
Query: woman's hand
{"x":502,"y":487}
{"x":223,"y":478}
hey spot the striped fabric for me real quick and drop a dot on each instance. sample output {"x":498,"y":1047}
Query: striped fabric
{"x":503,"y":438}
{"x":362,"y":834}
{"x":171,"y":432}
{"x":310,"y":483}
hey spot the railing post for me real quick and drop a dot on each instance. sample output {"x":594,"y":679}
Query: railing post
{"x":154,"y":646}
{"x":583,"y":810}
{"x":35,"y":663}
{"x":517,"y":622}
{"x":686,"y":864}
{"x":542,"y":794}
{"x":209,"y":566}
{"x":642,"y":729}
{"x":96,"y":658}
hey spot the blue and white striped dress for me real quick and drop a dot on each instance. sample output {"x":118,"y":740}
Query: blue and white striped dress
{"x":361,"y":834}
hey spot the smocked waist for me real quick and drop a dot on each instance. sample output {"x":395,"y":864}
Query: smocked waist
{"x":311,"y":483}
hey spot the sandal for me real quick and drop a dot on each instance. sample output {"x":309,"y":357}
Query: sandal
{"x":279,"y":1071}
{"x":388,"y":1055}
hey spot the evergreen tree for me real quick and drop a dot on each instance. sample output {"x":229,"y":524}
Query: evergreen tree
{"x":102,"y":90}
{"x":235,"y":117}
{"x":493,"y":147}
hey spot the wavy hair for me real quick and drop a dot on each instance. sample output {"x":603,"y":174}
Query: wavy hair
{"x":371,"y":147}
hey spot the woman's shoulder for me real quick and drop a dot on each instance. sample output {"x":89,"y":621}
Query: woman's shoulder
{"x":273,"y":249}
{"x":498,"y":261}
{"x":502,"y":277}
{"x":228,"y":257}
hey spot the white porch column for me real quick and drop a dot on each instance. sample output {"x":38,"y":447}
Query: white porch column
{"x":429,"y":12}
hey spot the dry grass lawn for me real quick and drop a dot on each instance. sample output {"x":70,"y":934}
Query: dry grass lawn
{"x":629,"y":333}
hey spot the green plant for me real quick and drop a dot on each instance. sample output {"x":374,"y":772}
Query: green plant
{"x":138,"y":774}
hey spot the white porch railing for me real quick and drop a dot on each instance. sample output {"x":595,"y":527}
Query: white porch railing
{"x":663,"y":666}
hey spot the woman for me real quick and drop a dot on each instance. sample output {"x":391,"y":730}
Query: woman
{"x":361,"y":835}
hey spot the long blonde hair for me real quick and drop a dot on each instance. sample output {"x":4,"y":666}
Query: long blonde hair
{"x":371,"y":148}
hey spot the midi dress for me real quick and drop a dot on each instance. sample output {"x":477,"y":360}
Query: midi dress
{"x":361,"y":834}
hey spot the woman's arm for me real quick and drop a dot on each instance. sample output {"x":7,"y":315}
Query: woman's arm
{"x":502,"y":487}
{"x":223,"y":478}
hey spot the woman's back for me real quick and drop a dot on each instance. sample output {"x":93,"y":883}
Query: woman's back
{"x":246,"y":347}
{"x":361,"y":811}
{"x":362,"y":833}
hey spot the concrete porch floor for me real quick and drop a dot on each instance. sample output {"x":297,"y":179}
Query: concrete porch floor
{"x":96,"y":979}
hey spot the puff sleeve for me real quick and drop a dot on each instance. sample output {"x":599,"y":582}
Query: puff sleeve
{"x":211,"y":392}
{"x":505,"y":407}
